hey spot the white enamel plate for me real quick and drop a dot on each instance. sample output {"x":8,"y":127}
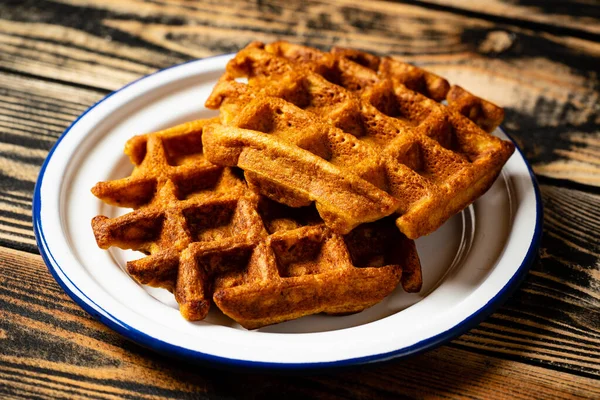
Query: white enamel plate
{"x":469,"y":265}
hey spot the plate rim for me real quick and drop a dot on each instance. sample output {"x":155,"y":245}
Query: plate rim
{"x":174,"y":350}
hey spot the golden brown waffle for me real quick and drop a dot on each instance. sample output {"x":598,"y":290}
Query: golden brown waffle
{"x":358,"y":144}
{"x":484,"y":113}
{"x":208,"y":238}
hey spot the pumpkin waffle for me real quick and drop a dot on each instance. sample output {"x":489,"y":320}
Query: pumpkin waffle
{"x":208,"y":238}
{"x":318,"y":127}
{"x":335,"y":65}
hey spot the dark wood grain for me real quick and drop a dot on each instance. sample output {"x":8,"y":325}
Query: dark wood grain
{"x":33,"y":114}
{"x":57,"y":58}
{"x":69,"y":354}
{"x":578,"y":15}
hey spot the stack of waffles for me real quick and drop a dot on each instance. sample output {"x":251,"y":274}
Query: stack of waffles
{"x":305,"y":194}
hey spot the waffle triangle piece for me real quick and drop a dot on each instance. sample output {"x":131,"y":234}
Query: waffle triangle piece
{"x":208,"y":238}
{"x":319,"y":127}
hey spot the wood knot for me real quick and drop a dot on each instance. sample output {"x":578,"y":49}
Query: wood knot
{"x":496,"y":42}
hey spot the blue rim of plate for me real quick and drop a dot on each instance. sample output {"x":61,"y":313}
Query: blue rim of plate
{"x":172,"y":350}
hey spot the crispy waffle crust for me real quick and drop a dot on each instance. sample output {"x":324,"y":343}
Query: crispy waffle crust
{"x":208,"y":237}
{"x":362,"y":137}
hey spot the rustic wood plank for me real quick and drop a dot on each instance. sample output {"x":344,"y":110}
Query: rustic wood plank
{"x":547,"y":82}
{"x":576,"y":159}
{"x":580,"y":15}
{"x":51,"y":348}
{"x":63,"y":53}
{"x":33,"y":114}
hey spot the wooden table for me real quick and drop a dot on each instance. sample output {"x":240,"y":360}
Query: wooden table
{"x":540,"y":62}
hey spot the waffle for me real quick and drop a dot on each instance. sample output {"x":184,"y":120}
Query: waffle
{"x":318,"y":127}
{"x":208,"y":238}
{"x":484,"y":113}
